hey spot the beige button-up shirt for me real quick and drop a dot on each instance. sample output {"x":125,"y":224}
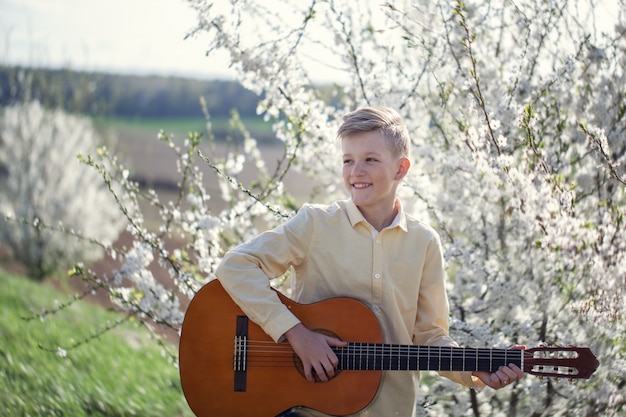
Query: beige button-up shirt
{"x":334,"y":252}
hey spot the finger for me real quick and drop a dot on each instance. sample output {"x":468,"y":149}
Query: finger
{"x":509,"y":374}
{"x":495,"y":380}
{"x":518,"y":372}
{"x":332,"y":356}
{"x":333,"y":341}
{"x":308,"y":372}
{"x":498,"y":379}
{"x":330,"y":370}
{"x":320,"y":372}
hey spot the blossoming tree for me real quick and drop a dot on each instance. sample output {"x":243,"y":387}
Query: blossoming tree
{"x":44,"y":189}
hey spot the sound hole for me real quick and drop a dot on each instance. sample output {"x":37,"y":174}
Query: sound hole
{"x":297,"y":362}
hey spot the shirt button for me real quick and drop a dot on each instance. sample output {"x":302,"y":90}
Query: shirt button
{"x":377,"y":276}
{"x":378,"y":241}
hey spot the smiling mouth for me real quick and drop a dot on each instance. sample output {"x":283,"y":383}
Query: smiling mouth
{"x":360,"y":185}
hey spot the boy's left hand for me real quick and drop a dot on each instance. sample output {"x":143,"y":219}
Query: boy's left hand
{"x":503,"y":376}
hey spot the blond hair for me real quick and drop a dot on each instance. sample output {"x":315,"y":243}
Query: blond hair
{"x":385,"y":120}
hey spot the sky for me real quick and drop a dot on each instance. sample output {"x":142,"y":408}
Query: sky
{"x":120,"y":36}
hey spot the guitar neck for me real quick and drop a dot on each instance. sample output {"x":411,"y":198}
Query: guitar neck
{"x":391,"y":357}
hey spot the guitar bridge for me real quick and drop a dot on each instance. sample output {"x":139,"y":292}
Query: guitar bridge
{"x":240,"y":354}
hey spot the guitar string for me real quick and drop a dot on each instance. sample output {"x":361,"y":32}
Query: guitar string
{"x":270,"y":353}
{"x":394,"y":349}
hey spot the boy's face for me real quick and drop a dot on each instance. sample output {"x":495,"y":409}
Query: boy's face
{"x":371,"y":173}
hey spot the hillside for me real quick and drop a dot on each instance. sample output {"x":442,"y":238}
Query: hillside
{"x":124,"y":96}
{"x":48,"y":369}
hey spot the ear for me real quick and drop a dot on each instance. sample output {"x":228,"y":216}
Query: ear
{"x":403,"y":168}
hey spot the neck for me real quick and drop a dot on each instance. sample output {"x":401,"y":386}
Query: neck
{"x":382,"y":217}
{"x":372,"y":356}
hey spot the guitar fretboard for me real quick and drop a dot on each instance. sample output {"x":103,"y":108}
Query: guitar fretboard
{"x":390,"y":357}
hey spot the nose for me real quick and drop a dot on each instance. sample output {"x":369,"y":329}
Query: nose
{"x":357,"y":169}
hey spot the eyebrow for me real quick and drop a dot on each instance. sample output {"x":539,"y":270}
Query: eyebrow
{"x":366,"y":154}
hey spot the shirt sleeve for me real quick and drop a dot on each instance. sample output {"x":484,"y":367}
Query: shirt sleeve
{"x":245,"y":272}
{"x":431,"y":325}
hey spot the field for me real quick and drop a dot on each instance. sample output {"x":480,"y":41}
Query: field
{"x":220,"y":126}
{"x":152,"y":163}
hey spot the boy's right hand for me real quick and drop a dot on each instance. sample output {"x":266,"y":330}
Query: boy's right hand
{"x":314,"y":350}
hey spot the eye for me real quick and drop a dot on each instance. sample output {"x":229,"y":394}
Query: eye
{"x":371,"y":159}
{"x":347,"y":161}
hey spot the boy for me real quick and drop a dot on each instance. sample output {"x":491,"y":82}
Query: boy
{"x":366,"y":248}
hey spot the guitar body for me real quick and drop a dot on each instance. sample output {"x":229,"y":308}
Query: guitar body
{"x":207,"y":360}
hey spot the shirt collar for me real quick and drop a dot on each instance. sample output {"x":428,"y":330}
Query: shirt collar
{"x":355,"y":216}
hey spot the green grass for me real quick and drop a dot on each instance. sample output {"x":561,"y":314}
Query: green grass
{"x":121,"y":373}
{"x":180,"y":127}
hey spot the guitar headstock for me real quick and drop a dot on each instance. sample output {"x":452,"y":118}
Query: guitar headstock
{"x":560,"y":362}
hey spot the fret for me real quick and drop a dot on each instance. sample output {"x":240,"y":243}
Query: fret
{"x":374,"y":357}
{"x":342,"y":355}
{"x":476,"y":360}
{"x":468,"y":361}
{"x":399,"y":357}
{"x":407,"y":355}
{"x":422,"y":357}
{"x":464,"y":352}
{"x":407,"y":358}
{"x":439,"y":366}
{"x":360,"y":362}
{"x":434,"y":364}
{"x":364,"y":352}
{"x":414,"y":358}
{"x":456,"y":358}
{"x":384,"y":357}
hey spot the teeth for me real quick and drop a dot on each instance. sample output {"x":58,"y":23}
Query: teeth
{"x":360,"y":185}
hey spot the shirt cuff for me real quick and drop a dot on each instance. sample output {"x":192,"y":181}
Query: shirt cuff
{"x":278,"y":326}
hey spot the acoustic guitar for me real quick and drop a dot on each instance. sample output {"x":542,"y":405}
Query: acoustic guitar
{"x":229,"y":367}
